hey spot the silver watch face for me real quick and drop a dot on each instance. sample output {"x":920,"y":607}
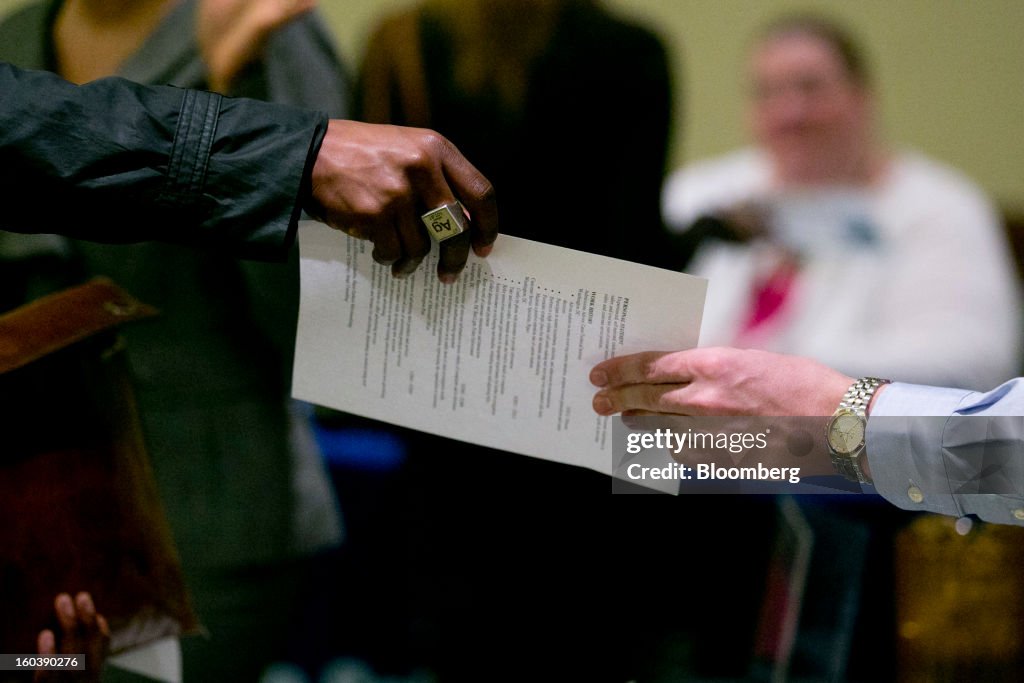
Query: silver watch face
{"x":846,"y":433}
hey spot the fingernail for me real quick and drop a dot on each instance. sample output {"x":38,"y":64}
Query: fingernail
{"x":64,"y":605}
{"x":46,"y":643}
{"x":602,"y":405}
{"x":598,"y":378}
{"x":85,"y":606}
{"x":449,"y":278}
{"x":483,"y":252}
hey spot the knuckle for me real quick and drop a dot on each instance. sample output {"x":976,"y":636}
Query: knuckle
{"x":614,"y":397}
{"x":417,"y":158}
{"x":394,"y":187}
{"x":426,"y":149}
{"x":715,"y":402}
{"x":364,"y":206}
{"x":711,"y":365}
{"x":370,"y":211}
{"x":433,"y":141}
{"x":483,"y":191}
{"x":364,"y":203}
{"x":390,"y":195}
{"x":649,"y":370}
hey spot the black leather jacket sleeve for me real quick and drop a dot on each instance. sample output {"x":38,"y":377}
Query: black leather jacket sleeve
{"x":113,"y":161}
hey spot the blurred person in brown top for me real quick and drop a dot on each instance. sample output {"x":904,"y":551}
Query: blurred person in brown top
{"x":247,"y":495}
{"x":563,"y":105}
{"x":567,"y":108}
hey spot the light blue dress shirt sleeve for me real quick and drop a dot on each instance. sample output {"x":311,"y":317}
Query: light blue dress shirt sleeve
{"x":950,"y":451}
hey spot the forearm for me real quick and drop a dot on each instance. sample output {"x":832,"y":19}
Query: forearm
{"x":113,"y":161}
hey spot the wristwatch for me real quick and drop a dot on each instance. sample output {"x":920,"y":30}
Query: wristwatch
{"x":847,"y":428}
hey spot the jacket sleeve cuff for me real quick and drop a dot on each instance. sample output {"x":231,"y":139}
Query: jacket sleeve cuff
{"x":247,"y":166}
{"x":306,"y":186}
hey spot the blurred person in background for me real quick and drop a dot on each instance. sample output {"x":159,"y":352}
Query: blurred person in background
{"x":533,"y":91}
{"x":847,"y":251}
{"x":247,"y":495}
{"x":566,"y":108}
{"x":842,"y":249}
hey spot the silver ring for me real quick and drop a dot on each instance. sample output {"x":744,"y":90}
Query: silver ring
{"x":445,"y":221}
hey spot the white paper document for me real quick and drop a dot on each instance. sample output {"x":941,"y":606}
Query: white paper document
{"x":501,"y":358}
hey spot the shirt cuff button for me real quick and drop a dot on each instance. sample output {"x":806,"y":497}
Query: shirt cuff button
{"x":914,"y":494}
